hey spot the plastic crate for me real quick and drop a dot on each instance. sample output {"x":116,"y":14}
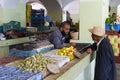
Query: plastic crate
{"x":107,"y":27}
{"x":11,"y":25}
{"x":23,"y":30}
{"x":37,"y":17}
{"x":116,"y":27}
{"x":1,"y":29}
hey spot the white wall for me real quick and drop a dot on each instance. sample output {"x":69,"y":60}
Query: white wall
{"x":13,"y":10}
{"x":118,"y":10}
{"x":92,"y":13}
{"x":88,"y":72}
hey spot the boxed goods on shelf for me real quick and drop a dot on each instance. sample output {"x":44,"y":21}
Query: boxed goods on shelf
{"x":11,"y":73}
{"x":28,"y":49}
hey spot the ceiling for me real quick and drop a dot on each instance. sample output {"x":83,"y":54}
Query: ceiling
{"x":63,"y":3}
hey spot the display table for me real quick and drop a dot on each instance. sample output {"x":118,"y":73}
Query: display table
{"x":74,"y":70}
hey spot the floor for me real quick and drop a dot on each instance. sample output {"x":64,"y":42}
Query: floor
{"x":118,"y":71}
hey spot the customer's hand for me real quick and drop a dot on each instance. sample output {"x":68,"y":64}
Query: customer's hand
{"x":89,"y":51}
{"x":72,"y":44}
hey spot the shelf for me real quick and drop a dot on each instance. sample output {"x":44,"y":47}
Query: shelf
{"x":112,"y":32}
{"x":75,"y":41}
{"x":16,"y":41}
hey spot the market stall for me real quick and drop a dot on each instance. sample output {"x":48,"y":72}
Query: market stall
{"x":73,"y":68}
{"x":66,"y":68}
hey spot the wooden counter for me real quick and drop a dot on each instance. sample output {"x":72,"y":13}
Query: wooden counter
{"x":74,"y":70}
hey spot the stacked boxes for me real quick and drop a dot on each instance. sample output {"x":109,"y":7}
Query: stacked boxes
{"x":11,"y":25}
{"x":37,"y":18}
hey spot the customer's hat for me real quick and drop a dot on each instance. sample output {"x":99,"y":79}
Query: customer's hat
{"x":97,"y":31}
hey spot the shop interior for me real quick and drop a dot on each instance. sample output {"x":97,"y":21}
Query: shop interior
{"x":25,"y":26}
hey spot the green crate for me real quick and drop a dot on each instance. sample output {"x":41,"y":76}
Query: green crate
{"x":11,"y":25}
{"x":43,"y":28}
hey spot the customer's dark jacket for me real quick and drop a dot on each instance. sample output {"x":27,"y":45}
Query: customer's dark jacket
{"x":105,"y":68}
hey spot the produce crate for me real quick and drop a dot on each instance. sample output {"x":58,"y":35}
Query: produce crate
{"x":37,"y":17}
{"x":11,"y":25}
{"x":107,"y":27}
{"x":115,"y":26}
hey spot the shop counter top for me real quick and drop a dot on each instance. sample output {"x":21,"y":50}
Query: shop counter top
{"x":76,"y":69}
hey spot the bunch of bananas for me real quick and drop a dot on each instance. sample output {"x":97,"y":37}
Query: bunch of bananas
{"x":35,"y":63}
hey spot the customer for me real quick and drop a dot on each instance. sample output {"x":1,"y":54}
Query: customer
{"x":105,"y":68}
{"x":58,"y":36}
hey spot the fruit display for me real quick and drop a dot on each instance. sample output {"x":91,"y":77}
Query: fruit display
{"x":115,"y":42}
{"x":67,"y":52}
{"x":35,"y":63}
